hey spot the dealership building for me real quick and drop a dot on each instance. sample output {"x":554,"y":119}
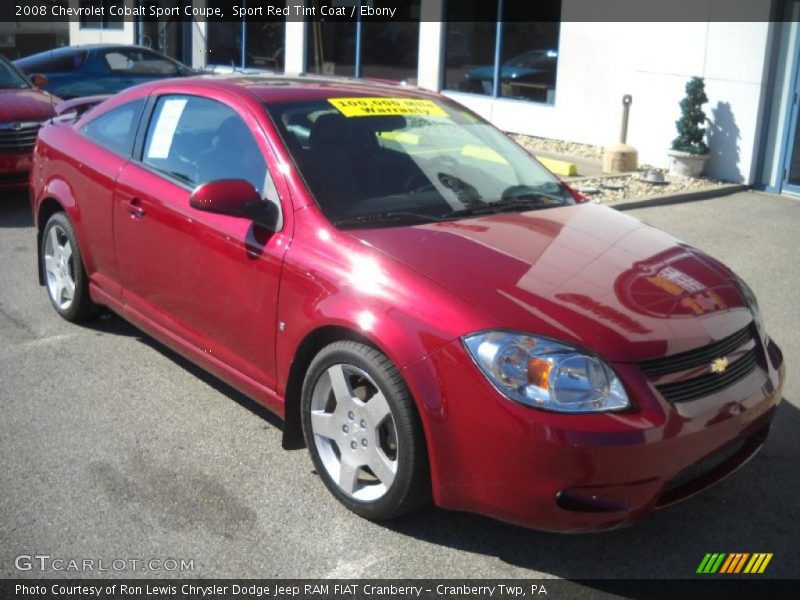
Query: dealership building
{"x":562,"y":77}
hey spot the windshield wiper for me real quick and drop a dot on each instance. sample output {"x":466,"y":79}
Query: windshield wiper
{"x":499,"y":207}
{"x":374,"y":218}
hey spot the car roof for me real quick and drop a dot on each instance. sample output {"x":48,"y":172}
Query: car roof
{"x":269,"y":87}
{"x":82,"y":48}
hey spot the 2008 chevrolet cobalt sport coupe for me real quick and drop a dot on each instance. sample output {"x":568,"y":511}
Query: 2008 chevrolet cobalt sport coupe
{"x":429,"y":310}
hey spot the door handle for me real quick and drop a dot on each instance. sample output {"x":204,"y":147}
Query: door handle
{"x":134,"y":206}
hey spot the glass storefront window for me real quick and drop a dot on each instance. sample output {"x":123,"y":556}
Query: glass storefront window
{"x":528,"y":50}
{"x":469,"y":58}
{"x":390,"y":50}
{"x":264,"y":44}
{"x":224,"y":44}
{"x":529,"y":59}
{"x":256,"y":44}
{"x":331,"y":48}
{"x":165,"y":35}
{"x":330,"y":43}
{"x":470,"y":46}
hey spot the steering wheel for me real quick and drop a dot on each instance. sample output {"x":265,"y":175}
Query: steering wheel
{"x":413,"y":182}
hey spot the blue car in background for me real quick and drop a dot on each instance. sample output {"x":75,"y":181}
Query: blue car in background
{"x":75,"y":71}
{"x":528,"y":75}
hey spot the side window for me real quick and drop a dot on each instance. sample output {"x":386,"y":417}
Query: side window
{"x":116,"y":129}
{"x":139,"y":62}
{"x":196,"y":140}
{"x":55,"y":62}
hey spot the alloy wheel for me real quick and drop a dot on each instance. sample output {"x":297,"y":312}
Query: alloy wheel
{"x":59,"y":267}
{"x":354,"y":432}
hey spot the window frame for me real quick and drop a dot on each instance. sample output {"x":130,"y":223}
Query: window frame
{"x":145,"y":122}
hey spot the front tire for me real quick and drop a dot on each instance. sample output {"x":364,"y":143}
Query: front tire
{"x":65,"y":276}
{"x":363,"y":432}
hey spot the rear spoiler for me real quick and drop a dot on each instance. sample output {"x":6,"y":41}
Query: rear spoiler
{"x":79,"y":105}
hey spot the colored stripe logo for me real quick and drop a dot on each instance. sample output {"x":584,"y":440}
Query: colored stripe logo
{"x":733,"y":563}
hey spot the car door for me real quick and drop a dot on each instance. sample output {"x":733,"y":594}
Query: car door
{"x":210,"y":279}
{"x":97,"y":157}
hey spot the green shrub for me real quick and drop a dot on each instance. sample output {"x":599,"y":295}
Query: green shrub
{"x":691,"y":125}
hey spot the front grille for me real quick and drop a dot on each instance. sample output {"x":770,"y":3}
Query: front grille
{"x":18,"y":137}
{"x":698,"y":357}
{"x":709,"y":383}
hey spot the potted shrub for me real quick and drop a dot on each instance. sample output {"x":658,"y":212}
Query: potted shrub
{"x":689,"y":150}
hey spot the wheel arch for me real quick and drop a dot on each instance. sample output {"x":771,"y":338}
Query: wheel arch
{"x":309,"y":347}
{"x":57,"y":196}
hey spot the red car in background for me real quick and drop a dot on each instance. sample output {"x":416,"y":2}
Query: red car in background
{"x":23,"y":109}
{"x":425,"y":305}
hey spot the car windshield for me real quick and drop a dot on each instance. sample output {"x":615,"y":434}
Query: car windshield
{"x":372,"y":162}
{"x":10,"y":78}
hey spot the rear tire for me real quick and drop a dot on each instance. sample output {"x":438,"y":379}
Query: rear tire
{"x":363,"y":432}
{"x":65,"y":276}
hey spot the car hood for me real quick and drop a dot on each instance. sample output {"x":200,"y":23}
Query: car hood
{"x":584,"y":274}
{"x":25,"y":105}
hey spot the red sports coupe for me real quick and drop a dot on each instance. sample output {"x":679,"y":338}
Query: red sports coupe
{"x":23,"y":108}
{"x":430,"y":311}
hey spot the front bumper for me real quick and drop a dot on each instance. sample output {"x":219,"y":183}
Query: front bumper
{"x":586,"y":472}
{"x":14,"y":169}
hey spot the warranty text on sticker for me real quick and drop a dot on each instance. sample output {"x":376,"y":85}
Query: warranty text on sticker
{"x":373,"y":107}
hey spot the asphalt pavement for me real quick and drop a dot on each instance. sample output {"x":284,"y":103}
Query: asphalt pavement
{"x":114,"y":447}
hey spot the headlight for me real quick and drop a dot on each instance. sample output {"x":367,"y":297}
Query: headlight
{"x":752,"y":303}
{"x":546,"y":374}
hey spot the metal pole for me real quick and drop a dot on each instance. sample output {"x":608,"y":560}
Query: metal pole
{"x":627,"y":99}
{"x":358,"y":42}
{"x":244,"y":36}
{"x":498,"y":51}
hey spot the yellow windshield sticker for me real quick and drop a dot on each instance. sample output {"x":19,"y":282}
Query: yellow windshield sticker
{"x":400,"y":136}
{"x":376,"y":107}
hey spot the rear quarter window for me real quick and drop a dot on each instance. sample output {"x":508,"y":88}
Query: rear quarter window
{"x":115,"y":130}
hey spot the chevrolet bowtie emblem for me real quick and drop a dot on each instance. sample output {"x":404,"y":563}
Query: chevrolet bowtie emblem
{"x":719,"y":365}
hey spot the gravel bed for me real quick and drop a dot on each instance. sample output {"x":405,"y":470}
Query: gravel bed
{"x":609,"y":188}
{"x":630,"y":187}
{"x":558,"y":146}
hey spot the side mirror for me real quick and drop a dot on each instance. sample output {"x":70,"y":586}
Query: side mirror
{"x":38,"y":80}
{"x":235,"y":197}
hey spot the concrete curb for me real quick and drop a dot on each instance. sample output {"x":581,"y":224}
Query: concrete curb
{"x":665,"y":199}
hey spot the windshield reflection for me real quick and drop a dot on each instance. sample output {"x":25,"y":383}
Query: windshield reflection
{"x":367,"y":166}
